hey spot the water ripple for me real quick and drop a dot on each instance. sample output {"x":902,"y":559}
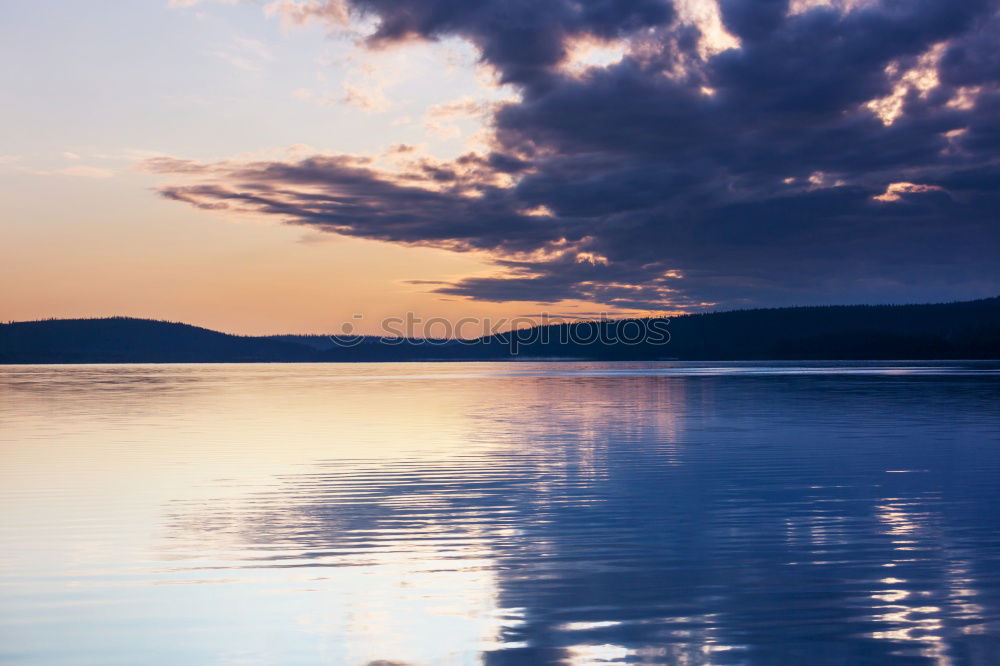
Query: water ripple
{"x":521,"y":513}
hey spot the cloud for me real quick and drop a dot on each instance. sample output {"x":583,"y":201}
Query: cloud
{"x":75,"y":172}
{"x":193,"y":3}
{"x":456,"y":205}
{"x":442,"y":119}
{"x":372,"y":98}
{"x":762,"y":152}
{"x":239,"y":62}
{"x":294,"y":13}
{"x":244,"y":53}
{"x":895,"y":191}
{"x":254,"y":47}
{"x":368,"y":98}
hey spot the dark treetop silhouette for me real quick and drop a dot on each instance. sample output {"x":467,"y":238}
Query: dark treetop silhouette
{"x":940,"y":331}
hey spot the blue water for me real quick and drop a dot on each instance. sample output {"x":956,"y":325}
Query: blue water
{"x":519,"y":513}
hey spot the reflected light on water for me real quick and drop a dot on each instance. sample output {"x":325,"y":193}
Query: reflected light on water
{"x":523,"y":513}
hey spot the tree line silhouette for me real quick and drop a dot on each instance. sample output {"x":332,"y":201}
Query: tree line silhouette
{"x":960,"y":330}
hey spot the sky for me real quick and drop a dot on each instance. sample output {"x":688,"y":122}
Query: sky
{"x":290,"y":165}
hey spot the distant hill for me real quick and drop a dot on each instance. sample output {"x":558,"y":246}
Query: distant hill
{"x":126,"y":340}
{"x":966,"y":330}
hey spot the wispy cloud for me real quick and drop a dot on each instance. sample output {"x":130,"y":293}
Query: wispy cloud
{"x":247,"y":54}
{"x":371,"y":99}
{"x":75,"y":172}
{"x":192,"y":3}
{"x":238,"y":61}
{"x":441,"y":119}
{"x":294,"y":13}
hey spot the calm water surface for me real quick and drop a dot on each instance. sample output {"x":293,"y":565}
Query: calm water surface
{"x":520,"y":513}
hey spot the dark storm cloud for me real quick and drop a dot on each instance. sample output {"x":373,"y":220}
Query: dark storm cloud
{"x":758,"y":174}
{"x":523,"y":38}
{"x":345,"y":195}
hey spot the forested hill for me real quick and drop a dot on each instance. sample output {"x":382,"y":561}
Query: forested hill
{"x":127,"y":340}
{"x":967,"y":330}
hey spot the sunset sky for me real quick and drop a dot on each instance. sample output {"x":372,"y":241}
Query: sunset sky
{"x":281,"y":166}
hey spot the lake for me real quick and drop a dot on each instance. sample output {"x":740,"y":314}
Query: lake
{"x":500,"y":513}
